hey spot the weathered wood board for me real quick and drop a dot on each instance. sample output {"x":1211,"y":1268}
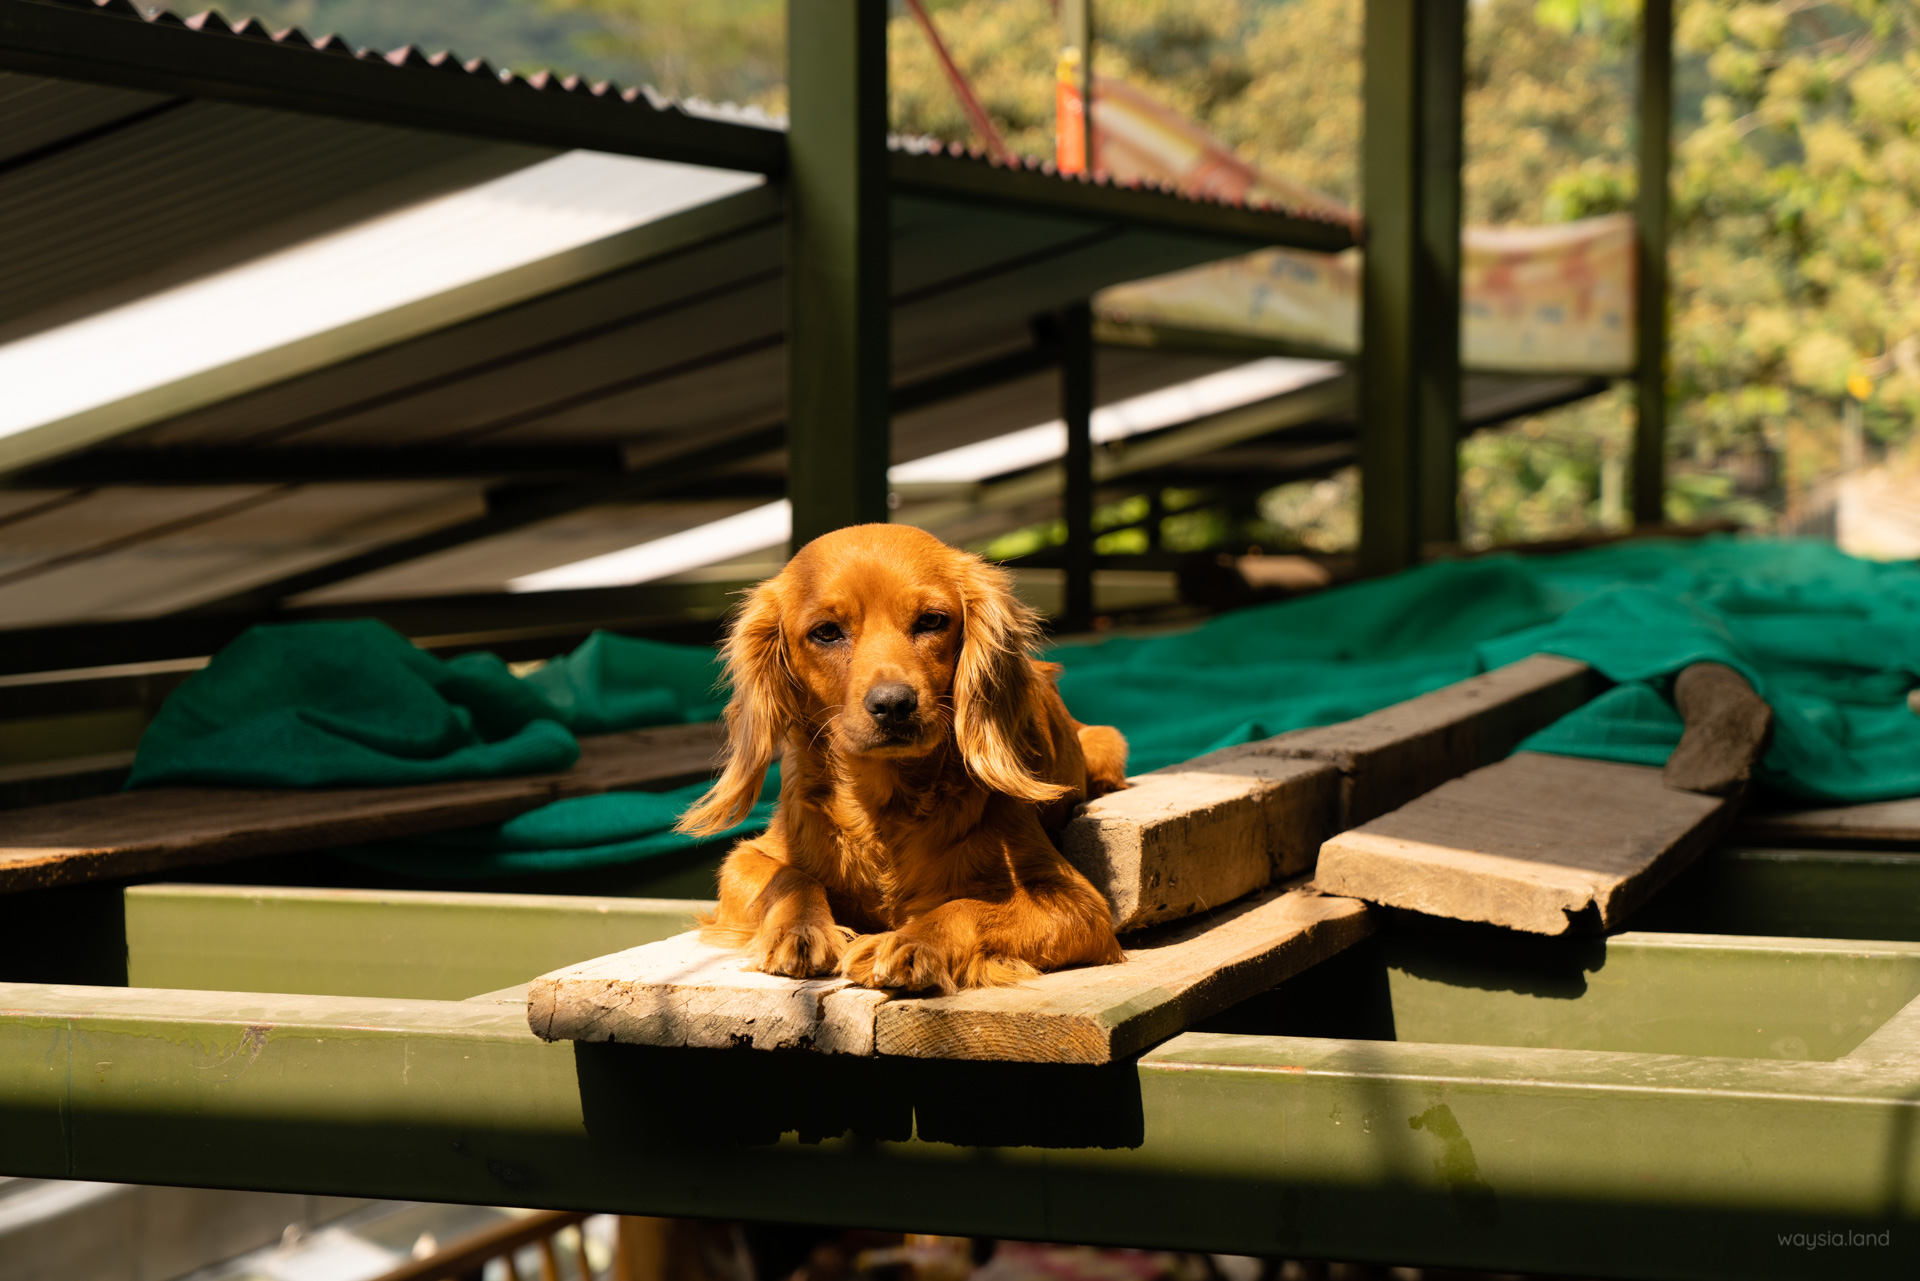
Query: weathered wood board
{"x":1880,"y":823}
{"x":1537,"y":843}
{"x":1172,"y":978}
{"x":681,"y":991}
{"x":131,"y":833}
{"x":1192,"y":836}
{"x":1388,"y":757}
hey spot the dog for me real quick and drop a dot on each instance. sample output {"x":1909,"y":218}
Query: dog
{"x":925,"y":757}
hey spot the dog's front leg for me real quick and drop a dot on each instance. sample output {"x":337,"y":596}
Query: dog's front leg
{"x":779,"y":913}
{"x":977,"y":943}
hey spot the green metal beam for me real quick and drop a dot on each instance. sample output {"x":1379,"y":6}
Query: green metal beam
{"x":839,"y":319}
{"x":1076,"y":410}
{"x":1650,"y":304}
{"x":436,"y":945}
{"x":1622,"y":1165}
{"x":1436,"y":315}
{"x":116,"y":46}
{"x":1409,"y":313}
{"x":1832,"y":894}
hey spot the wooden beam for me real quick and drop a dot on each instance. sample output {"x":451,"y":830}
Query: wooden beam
{"x":1388,"y":757}
{"x":136,"y":833}
{"x":1172,"y":978}
{"x":1545,"y":844}
{"x":1650,"y":300}
{"x":838,"y":265}
{"x":1879,"y":824}
{"x":683,"y":992}
{"x":1192,"y":836}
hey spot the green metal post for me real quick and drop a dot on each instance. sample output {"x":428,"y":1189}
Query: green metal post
{"x":1389,"y":532}
{"x":1076,"y":408}
{"x":1443,"y":52}
{"x":838,"y":338}
{"x":1650,"y":308}
{"x":1409,"y":354}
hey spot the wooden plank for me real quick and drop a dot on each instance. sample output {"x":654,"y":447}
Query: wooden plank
{"x":1728,"y":729}
{"x":1171,"y":979}
{"x":1190,"y":837}
{"x":1195,"y":835}
{"x":134,"y":833}
{"x":1880,"y":823}
{"x":1537,"y":843}
{"x":681,"y":991}
{"x":1397,"y":753}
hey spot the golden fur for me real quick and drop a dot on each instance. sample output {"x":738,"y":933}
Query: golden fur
{"x":906,"y":851}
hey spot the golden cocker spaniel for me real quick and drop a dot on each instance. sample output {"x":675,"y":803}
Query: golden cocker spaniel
{"x":925,"y":755}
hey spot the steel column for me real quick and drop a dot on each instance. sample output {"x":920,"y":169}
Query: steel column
{"x":1076,"y":408}
{"x":838,"y":337}
{"x":1410,"y":284}
{"x":1650,"y":305}
{"x":1443,"y":54}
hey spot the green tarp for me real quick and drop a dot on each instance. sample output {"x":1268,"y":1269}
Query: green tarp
{"x":1832,"y":642}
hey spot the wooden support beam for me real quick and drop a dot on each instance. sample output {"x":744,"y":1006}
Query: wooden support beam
{"x":838,"y":264}
{"x":1076,"y":409}
{"x":1388,"y":757}
{"x":1879,"y":824}
{"x":1650,"y":300}
{"x":1410,"y":282}
{"x":1545,"y":844}
{"x":1194,"y":835}
{"x":683,"y":992}
{"x":136,"y":833}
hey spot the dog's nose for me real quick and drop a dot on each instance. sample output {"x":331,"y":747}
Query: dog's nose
{"x":892,"y":703}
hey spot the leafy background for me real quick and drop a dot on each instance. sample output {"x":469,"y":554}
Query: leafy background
{"x":1796,"y":253}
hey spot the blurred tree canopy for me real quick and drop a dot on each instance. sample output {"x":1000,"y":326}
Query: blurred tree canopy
{"x":1796,"y":250}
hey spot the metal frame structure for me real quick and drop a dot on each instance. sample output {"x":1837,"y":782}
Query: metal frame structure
{"x":1618,"y":1107}
{"x":1673,"y":1103}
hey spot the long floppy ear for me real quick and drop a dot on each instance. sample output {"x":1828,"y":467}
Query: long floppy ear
{"x":994,"y":703}
{"x":758,"y":714}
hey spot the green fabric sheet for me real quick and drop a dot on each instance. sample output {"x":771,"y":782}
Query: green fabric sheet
{"x":1832,"y":642}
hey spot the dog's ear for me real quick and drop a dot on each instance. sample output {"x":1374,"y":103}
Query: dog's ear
{"x":994,"y":695}
{"x":758,"y":715}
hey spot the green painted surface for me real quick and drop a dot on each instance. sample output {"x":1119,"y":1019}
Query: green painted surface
{"x":427,"y":945}
{"x":1651,"y":993}
{"x":1550,"y":1160}
{"x":1845,"y":894}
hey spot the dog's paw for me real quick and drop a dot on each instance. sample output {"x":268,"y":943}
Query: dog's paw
{"x":900,"y":962}
{"x":801,"y":951}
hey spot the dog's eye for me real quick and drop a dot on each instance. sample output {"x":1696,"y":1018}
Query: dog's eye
{"x":826,"y":634}
{"x":931,"y":621}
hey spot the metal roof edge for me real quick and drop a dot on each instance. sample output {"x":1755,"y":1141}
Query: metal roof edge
{"x":954,"y":173}
{"x":112,"y":42}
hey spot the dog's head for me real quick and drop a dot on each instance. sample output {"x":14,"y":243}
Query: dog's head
{"x":882,"y":642}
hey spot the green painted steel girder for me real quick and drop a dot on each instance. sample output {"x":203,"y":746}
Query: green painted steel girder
{"x":1410,"y":280}
{"x":439,"y":945}
{"x":839,"y":336}
{"x":75,"y":42}
{"x":1650,"y":262}
{"x":1630,"y":1165}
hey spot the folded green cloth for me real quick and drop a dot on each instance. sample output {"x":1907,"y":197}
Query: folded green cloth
{"x":347,"y":704}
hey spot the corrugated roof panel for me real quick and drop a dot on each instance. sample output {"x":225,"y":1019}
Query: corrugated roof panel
{"x":185,"y":193}
{"x":37,"y":113}
{"x":246,"y":535}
